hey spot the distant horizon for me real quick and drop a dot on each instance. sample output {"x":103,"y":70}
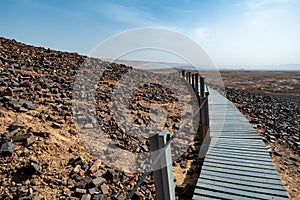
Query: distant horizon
{"x":288,"y":67}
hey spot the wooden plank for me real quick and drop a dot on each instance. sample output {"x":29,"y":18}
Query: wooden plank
{"x":243,"y":164}
{"x":238,"y":151}
{"x":224,"y":129}
{"x":236,"y":137}
{"x":230,"y":129}
{"x":241,"y":173}
{"x":203,"y":193}
{"x":238,"y":160}
{"x":247,"y":157}
{"x":255,"y":149}
{"x":233,"y":127}
{"x":246,"y":144}
{"x":242,"y":149}
{"x":229,"y":176}
{"x":251,"y":188}
{"x":242,"y":142}
{"x":241,"y":167}
{"x":238,"y":141}
{"x":221,"y":178}
{"x":238,"y":191}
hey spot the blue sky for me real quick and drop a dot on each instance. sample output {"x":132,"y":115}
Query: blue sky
{"x":243,"y":33}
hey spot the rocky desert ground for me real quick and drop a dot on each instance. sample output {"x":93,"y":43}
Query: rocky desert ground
{"x":44,"y":156}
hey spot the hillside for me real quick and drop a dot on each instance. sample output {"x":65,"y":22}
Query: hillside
{"x":43,"y":155}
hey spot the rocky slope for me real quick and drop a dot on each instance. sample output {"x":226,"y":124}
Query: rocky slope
{"x":42,"y":154}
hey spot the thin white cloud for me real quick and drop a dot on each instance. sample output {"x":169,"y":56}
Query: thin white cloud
{"x":130,"y":15}
{"x":255,"y":4}
{"x":201,"y":33}
{"x":263,"y":13}
{"x":180,"y":11}
{"x":264,"y":17}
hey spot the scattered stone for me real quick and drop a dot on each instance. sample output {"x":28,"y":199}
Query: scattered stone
{"x":293,"y":159}
{"x":95,"y":166}
{"x":72,"y":131}
{"x":33,"y":168}
{"x":276,"y":153}
{"x":139,"y":121}
{"x":183,"y":165}
{"x":93,"y":191}
{"x":80,"y":191}
{"x":98,"y":173}
{"x":101,"y":197}
{"x":30,"y":140}
{"x":78,"y":160}
{"x":6,"y":147}
{"x":22,"y":109}
{"x":77,"y":169}
{"x":98,"y":181}
{"x":29,"y":105}
{"x":13,"y":126}
{"x":56,"y":125}
{"x":67,"y":192}
{"x":104,"y":189}
{"x":86,"y":197}
{"x":25,"y":172}
{"x":121,"y":197}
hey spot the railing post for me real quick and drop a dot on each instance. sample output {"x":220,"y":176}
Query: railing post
{"x":197,"y":87}
{"x":186,"y":77}
{"x":162,"y":173}
{"x":207,"y":109}
{"x":202,"y":98}
{"x":201,"y":87}
{"x":193,"y":82}
{"x":203,"y":113}
{"x":189,"y":77}
{"x":183,"y":73}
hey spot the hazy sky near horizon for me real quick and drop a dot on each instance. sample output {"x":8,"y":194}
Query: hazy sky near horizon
{"x":245,"y":32}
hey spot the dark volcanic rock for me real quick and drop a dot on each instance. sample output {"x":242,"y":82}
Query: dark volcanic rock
{"x":25,"y":172}
{"x":29,"y":105}
{"x":6,"y":147}
{"x":277,"y":115}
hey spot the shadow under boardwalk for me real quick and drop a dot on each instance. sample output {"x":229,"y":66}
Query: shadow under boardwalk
{"x":237,"y":164}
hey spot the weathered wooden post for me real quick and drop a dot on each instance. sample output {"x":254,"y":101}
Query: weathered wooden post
{"x":197,"y":87}
{"x":186,"y":77}
{"x":207,"y":109}
{"x":183,"y":73}
{"x":189,"y":77}
{"x":203,"y":117}
{"x":193,"y":82}
{"x":162,"y":172}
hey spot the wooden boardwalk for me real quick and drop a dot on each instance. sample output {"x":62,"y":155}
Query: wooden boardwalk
{"x":237,"y":164}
